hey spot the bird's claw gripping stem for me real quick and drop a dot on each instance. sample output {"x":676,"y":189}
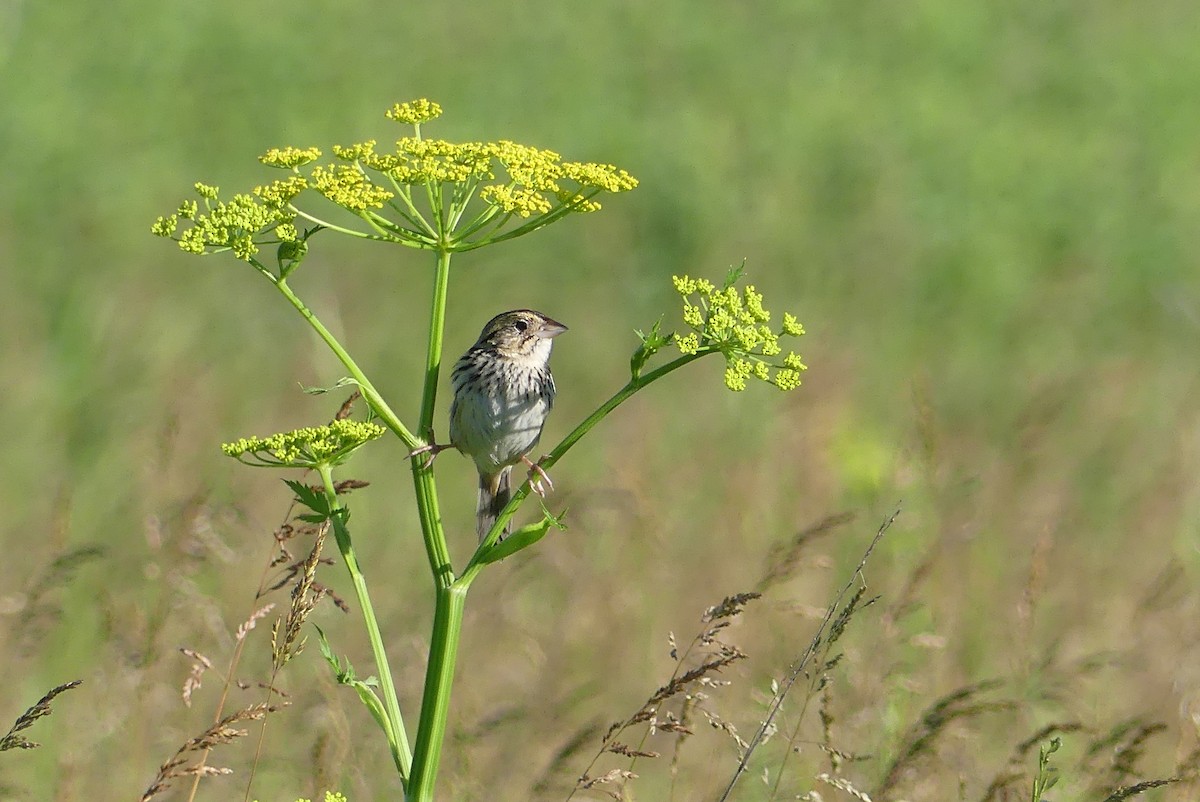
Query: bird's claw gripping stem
{"x":432,"y":449}
{"x":539,"y":480}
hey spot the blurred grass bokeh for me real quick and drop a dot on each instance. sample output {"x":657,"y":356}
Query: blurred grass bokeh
{"x":987,"y":217}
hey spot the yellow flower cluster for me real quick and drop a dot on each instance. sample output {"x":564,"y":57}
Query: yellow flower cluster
{"x":289,"y":157}
{"x":330,"y":796}
{"x":307,"y":447}
{"x":601,"y":176}
{"x":355,"y":152}
{"x":225,"y":224}
{"x":522,"y":202}
{"x":736,"y":323}
{"x":281,"y":192}
{"x":434,"y":161}
{"x":537,"y":179}
{"x":349,"y":187}
{"x":414,"y":112}
{"x":511,"y":180}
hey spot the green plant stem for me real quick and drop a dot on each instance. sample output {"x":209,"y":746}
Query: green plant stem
{"x":427,"y":500}
{"x":372,"y":396}
{"x":449,"y":599}
{"x":439,"y":678}
{"x":433,"y":356}
{"x":397,"y":737}
{"x":401,"y":752}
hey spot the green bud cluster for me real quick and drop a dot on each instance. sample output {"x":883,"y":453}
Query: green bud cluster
{"x":307,"y":447}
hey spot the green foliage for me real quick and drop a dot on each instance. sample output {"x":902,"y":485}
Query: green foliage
{"x":343,"y":674}
{"x":1047,"y":776}
{"x":524,"y":537}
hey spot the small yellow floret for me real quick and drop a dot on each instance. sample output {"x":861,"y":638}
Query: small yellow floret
{"x":523,"y":202}
{"x":787,"y":379}
{"x":689,"y":344}
{"x":355,"y":152}
{"x":281,"y":193}
{"x":165,"y":226}
{"x":414,"y":112}
{"x":289,"y":157}
{"x":348,"y":187}
{"x":684,"y":285}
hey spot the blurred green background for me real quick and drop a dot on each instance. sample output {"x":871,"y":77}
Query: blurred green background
{"x":985,"y":215}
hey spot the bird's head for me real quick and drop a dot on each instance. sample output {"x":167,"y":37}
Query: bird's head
{"x":521,"y":334}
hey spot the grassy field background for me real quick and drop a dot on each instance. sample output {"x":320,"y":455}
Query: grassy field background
{"x":988,"y":218}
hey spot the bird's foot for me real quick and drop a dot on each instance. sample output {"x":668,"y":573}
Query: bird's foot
{"x":432,"y":449}
{"x":539,"y":480}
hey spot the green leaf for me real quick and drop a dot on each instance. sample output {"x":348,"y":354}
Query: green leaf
{"x":734,"y":274}
{"x":524,"y":537}
{"x":345,"y":381}
{"x":310,"y":498}
{"x":652,"y":341}
{"x":344,"y":675}
{"x":330,"y":657}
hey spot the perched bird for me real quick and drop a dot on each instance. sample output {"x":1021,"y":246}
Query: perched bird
{"x":503,"y":391}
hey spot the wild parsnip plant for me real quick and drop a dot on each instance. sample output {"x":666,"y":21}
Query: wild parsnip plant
{"x":444,"y":198}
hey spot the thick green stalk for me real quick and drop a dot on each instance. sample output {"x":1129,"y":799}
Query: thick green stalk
{"x":423,"y":477}
{"x":398,"y":737}
{"x":439,"y":678}
{"x":427,"y":499}
{"x":449,"y":600}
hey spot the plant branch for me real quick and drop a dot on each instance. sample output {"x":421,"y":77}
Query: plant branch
{"x":396,"y":735}
{"x":372,"y":396}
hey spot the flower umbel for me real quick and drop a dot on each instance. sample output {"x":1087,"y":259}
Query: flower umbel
{"x":289,"y":157}
{"x":238,"y":224}
{"x":414,"y":112}
{"x":425,"y":193}
{"x":736,"y":324}
{"x":307,"y":447}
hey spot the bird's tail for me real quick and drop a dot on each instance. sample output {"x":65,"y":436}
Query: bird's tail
{"x":494,"y":494}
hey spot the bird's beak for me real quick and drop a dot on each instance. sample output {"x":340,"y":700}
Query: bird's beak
{"x":550,"y":329}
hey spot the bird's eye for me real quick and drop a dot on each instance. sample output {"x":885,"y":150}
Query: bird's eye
{"x":520,"y":325}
